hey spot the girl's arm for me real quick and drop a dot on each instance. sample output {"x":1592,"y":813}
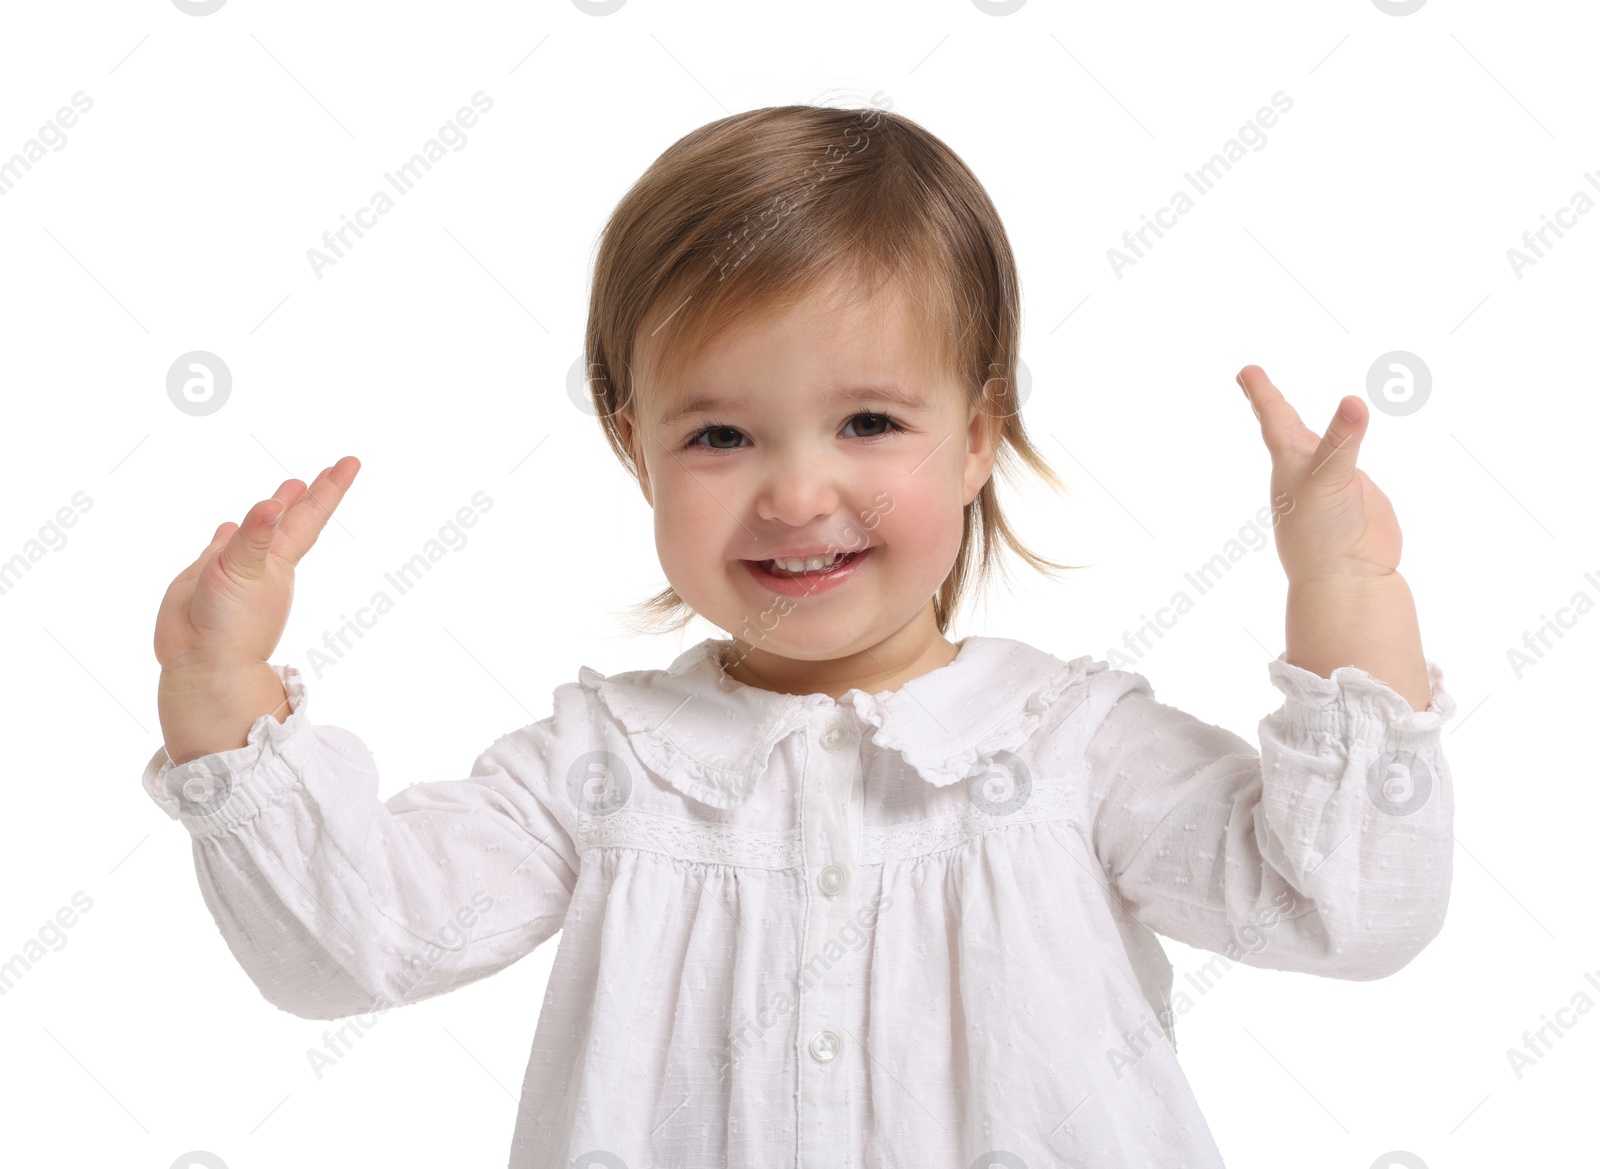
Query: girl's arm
{"x":336,"y":903}
{"x":1369,"y":623}
{"x":1328,"y":852}
{"x":1339,"y":542}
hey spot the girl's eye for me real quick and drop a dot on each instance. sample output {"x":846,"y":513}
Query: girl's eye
{"x":889,"y":425}
{"x":727,"y":438}
{"x":717,"y":432}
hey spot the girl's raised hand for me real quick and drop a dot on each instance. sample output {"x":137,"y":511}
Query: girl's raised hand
{"x":230,"y":606}
{"x":1333,"y":524}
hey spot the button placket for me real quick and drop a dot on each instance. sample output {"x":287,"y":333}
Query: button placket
{"x":830,"y":828}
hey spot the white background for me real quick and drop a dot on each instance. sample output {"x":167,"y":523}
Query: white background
{"x":219,"y":149}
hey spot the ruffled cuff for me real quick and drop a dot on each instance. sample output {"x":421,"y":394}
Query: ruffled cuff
{"x":1352,"y":704}
{"x":216,"y":791}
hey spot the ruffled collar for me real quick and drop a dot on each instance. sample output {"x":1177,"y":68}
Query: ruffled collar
{"x":710,"y":736}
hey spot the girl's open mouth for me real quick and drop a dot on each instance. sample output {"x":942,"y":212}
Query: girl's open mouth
{"x":812,"y":580}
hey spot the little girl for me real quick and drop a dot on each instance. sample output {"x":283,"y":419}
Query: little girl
{"x":834,"y":891}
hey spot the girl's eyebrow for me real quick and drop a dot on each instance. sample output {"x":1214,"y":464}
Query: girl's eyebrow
{"x":884,"y":392}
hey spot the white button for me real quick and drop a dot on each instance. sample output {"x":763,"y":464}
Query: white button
{"x":824,"y":1046}
{"x":831,"y":879}
{"x":835,"y":737}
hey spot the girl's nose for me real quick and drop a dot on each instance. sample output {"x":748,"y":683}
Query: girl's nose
{"x":797,"y":490}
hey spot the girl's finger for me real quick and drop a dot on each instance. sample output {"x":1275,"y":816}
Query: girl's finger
{"x":1280,"y":422}
{"x":245,"y":553}
{"x":192,"y":569}
{"x":304,"y":520}
{"x":1335,"y":456}
{"x":288,"y":491}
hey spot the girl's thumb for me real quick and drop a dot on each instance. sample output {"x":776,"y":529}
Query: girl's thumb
{"x":245,"y":555}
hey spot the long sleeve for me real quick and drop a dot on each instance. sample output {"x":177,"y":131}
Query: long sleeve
{"x":1328,"y":852}
{"x":336,"y":903}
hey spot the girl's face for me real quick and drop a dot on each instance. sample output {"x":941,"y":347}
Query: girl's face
{"x":818,"y":431}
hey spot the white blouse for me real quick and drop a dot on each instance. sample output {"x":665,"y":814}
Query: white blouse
{"x":911,"y":928}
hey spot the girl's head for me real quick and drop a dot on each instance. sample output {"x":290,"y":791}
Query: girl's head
{"x":802,"y":337}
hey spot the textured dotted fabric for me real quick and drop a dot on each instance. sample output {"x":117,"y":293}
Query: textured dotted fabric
{"x":914,"y":928}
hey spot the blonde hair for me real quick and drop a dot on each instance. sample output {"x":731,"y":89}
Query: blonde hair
{"x":759,"y":210}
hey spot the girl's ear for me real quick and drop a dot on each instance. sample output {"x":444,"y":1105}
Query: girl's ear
{"x":633,"y":440}
{"x":983,"y":437}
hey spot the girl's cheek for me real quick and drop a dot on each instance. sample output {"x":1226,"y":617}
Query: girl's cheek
{"x":912,"y":520}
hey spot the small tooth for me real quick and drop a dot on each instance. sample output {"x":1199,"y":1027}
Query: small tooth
{"x":808,"y":564}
